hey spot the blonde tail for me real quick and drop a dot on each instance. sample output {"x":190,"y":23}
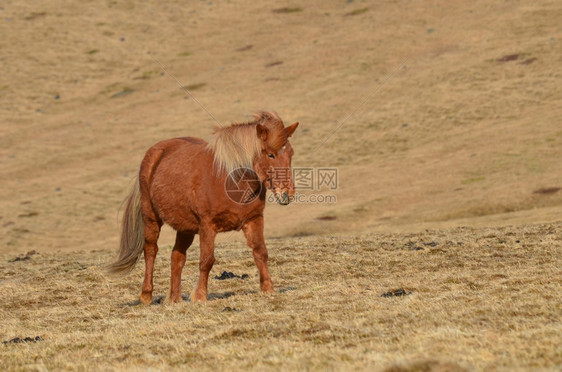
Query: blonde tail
{"x":132,"y":234}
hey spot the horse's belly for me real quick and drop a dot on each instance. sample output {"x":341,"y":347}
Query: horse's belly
{"x":178,"y":216}
{"x":230,"y":220}
{"x":174,"y":206}
{"x":187,"y":223}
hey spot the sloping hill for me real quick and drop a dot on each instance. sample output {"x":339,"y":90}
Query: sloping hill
{"x":465,"y":131}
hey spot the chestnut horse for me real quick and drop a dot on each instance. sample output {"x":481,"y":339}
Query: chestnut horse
{"x":204,"y":188}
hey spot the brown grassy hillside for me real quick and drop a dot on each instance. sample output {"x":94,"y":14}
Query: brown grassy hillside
{"x":459,"y":132}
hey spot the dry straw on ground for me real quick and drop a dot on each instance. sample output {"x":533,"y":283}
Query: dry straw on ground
{"x":474,"y":298}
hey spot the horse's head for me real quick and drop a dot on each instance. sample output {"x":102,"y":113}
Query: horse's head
{"x":273,"y":164}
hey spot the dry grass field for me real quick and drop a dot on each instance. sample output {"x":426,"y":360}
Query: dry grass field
{"x":441,"y":117}
{"x":474,"y":299}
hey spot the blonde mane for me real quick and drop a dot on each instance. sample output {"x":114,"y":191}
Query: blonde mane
{"x":238,"y":145}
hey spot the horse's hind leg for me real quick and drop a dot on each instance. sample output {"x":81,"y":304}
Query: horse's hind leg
{"x":151,"y":232}
{"x":183,"y":241}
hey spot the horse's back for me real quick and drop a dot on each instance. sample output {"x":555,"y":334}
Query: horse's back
{"x":173,"y":144}
{"x":192,"y":140}
{"x":168,"y":154}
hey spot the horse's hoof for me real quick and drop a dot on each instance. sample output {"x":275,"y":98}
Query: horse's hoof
{"x":267,"y":288}
{"x":173,"y":299}
{"x":146,"y":298}
{"x":197,"y":297}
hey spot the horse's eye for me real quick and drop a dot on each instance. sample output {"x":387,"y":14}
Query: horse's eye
{"x":271,"y":156}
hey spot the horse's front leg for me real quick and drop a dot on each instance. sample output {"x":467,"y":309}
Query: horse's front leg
{"x":253,"y":230}
{"x":206,"y":260}
{"x":183,"y":241}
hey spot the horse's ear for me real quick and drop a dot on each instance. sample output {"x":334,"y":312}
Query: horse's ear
{"x":291,"y":129}
{"x":262,"y":132}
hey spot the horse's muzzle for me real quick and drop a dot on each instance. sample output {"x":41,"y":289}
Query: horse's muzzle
{"x":284,"y":199}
